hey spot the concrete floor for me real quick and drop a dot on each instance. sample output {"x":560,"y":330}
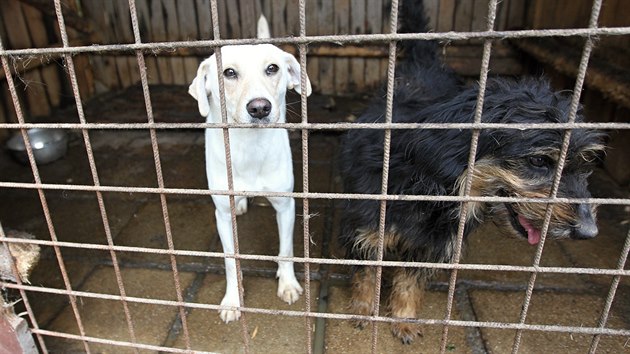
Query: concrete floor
{"x":124,"y":158}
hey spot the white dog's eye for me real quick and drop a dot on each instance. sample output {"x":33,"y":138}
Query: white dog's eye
{"x":229,"y":73}
{"x":272,"y":69}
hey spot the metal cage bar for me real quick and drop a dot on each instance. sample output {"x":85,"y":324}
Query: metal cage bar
{"x":391,"y":69}
{"x":341,"y":39}
{"x":158,"y":169}
{"x":575,"y":101}
{"x":305,"y":127}
{"x":228,"y":161}
{"x":483,"y":79}
{"x":86,"y":139}
{"x":306,"y":216}
{"x":44,"y":203}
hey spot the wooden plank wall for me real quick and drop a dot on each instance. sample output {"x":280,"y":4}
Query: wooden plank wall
{"x":39,"y":88}
{"x":167,"y":20}
{"x":42,"y":84}
{"x":170,"y":20}
{"x":575,"y":13}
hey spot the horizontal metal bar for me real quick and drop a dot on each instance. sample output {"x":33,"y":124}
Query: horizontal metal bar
{"x":348,"y":262}
{"x":318,"y":126}
{"x":336,"y":316}
{"x":310,"y":195}
{"x":340,"y":39}
{"x":117,"y":343}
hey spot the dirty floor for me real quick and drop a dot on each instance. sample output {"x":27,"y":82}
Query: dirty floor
{"x":125,"y":158}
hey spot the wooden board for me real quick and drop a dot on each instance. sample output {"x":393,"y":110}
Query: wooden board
{"x":204,"y":19}
{"x":312,"y":28}
{"x":49,"y":73}
{"x":172,"y":34}
{"x":293,"y":17}
{"x":326,"y":22}
{"x":153,"y":75}
{"x":104,"y":67}
{"x":357,"y":26}
{"x":224,"y":24}
{"x":234,"y":26}
{"x":188,"y":31}
{"x":342,"y":65}
{"x":144,"y":20}
{"x":158,"y":27}
{"x":248,"y":18}
{"x":446,"y":15}
{"x":479,"y":16}
{"x":278,"y":20}
{"x":18,"y":37}
{"x":330,"y":71}
{"x":125,"y":32}
{"x":463,"y":15}
{"x":374,"y":23}
{"x":431,"y":10}
{"x":85,"y":73}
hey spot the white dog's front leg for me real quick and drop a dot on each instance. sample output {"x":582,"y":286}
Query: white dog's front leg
{"x":224,"y":226}
{"x":289,"y":290}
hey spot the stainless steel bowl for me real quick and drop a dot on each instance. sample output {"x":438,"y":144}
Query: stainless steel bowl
{"x":48,"y":145}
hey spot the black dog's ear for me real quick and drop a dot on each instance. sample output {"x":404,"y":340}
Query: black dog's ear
{"x":197,"y":88}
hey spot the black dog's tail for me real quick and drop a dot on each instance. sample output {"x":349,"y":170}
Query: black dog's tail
{"x":414,"y":20}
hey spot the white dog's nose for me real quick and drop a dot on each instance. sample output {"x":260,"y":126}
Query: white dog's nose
{"x":259,"y":108}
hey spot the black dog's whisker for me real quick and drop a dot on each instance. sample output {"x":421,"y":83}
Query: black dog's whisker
{"x":509,"y":162}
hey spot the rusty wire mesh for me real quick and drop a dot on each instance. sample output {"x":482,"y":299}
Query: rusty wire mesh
{"x":391,"y":38}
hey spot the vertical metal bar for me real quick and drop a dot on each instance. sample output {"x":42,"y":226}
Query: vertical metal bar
{"x":42,"y":198}
{"x":305,"y":187}
{"x":228,"y":165}
{"x":611,"y":294}
{"x":160,"y":176}
{"x":88,"y":147}
{"x":27,"y":304}
{"x":391,"y":69}
{"x":575,"y":102}
{"x":483,"y":78}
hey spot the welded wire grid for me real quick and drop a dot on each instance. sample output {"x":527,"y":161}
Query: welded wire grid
{"x":139,"y":48}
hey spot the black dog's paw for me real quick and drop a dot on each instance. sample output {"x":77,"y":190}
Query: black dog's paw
{"x":406,"y":332}
{"x":360,"y":324}
{"x":363,"y":308}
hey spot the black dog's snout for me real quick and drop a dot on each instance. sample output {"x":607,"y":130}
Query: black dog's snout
{"x":587,"y":227}
{"x":259,"y":108}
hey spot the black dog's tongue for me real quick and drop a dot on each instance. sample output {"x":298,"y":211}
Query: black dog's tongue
{"x":533,"y":234}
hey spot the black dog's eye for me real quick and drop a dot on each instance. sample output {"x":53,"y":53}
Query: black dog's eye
{"x":272,"y":69}
{"x":538,"y":161}
{"x":229,"y":73}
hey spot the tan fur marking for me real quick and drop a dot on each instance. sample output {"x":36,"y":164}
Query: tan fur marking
{"x":366,"y":242}
{"x":404,"y":301}
{"x":486,"y":178}
{"x":489,"y":178}
{"x":363,"y":292}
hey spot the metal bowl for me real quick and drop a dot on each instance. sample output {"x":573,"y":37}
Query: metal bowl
{"x":48,"y":145}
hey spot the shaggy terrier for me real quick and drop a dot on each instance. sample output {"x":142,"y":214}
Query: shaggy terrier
{"x":509,"y":163}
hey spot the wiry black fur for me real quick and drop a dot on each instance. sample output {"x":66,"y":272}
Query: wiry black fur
{"x":430,"y":161}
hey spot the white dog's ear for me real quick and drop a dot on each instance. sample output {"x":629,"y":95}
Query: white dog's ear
{"x":294,"y":79}
{"x":197,"y":89}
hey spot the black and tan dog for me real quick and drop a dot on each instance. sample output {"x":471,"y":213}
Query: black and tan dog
{"x":509,"y":163}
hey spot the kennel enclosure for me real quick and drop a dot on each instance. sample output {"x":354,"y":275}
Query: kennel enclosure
{"x":125,"y":222}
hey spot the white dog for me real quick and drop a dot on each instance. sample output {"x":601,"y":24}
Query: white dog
{"x":256,"y":78}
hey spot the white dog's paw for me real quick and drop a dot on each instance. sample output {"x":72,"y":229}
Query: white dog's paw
{"x":289,"y":290}
{"x":229,"y":315}
{"x":241,"y":206}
